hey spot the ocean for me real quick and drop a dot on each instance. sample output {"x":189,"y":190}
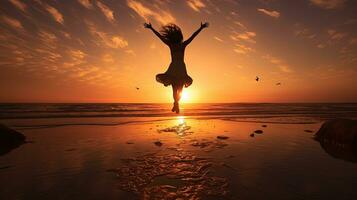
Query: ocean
{"x":311,"y":111}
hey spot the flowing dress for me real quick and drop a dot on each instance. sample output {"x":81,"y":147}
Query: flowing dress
{"x":176,"y":74}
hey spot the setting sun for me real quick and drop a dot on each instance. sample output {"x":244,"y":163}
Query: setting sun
{"x":185,"y":97}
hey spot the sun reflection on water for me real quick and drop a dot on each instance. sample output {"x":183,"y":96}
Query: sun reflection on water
{"x":181,"y":129}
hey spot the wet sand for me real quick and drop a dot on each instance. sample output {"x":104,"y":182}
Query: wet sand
{"x":172,"y":158}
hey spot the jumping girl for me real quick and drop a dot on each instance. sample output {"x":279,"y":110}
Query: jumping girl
{"x":176,"y":75}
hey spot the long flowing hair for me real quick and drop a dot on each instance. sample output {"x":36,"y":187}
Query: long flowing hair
{"x":172,"y":33}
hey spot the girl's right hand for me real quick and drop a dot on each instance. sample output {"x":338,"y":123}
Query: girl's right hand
{"x":147,"y":25}
{"x":204,"y":25}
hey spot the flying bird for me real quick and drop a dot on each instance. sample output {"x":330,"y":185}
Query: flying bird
{"x":257,"y":78}
{"x":137,"y":88}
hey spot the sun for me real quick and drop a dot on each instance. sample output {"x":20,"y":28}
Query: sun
{"x":185,"y":97}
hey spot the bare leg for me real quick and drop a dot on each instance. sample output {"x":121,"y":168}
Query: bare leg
{"x":176,"y":90}
{"x":174,"y":95}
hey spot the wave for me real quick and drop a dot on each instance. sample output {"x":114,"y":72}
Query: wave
{"x":238,"y":110}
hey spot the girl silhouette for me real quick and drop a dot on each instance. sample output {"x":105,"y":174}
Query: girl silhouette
{"x":176,"y":75}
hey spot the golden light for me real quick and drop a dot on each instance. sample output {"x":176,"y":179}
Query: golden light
{"x":185,"y":97}
{"x":181,"y":119}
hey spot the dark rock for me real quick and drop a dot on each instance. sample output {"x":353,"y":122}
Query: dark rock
{"x":258,"y":131}
{"x":9,"y":139}
{"x":129,"y":142}
{"x":158,"y":143}
{"x":339,"y":138}
{"x":6,"y":167}
{"x":222,"y":137}
{"x":251,"y":135}
{"x":71,"y":149}
{"x":264,"y":126}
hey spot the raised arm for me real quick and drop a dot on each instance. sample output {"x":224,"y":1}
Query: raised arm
{"x":148,"y":26}
{"x":189,"y":40}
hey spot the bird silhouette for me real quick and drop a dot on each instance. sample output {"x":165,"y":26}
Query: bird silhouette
{"x":257,"y":78}
{"x":137,"y":88}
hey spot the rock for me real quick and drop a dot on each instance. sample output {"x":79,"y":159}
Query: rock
{"x":6,"y":167}
{"x":251,"y":135}
{"x":158,"y":143}
{"x":71,"y":149}
{"x":258,"y":131}
{"x":339,"y":138}
{"x":222,"y":137}
{"x":129,"y":142}
{"x":9,"y":139}
{"x":264,"y":126}
{"x":343,"y":131}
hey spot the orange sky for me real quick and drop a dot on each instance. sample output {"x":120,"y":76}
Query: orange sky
{"x":98,"y":51}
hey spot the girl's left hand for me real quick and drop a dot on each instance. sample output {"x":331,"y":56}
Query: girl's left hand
{"x":147,"y":25}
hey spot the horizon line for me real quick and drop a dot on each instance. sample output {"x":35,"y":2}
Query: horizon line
{"x":310,"y":102}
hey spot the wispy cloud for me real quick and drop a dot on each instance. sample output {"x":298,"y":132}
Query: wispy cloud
{"x":353,"y":41}
{"x":12,"y":22}
{"x":108,"y":13}
{"x":57,"y":16}
{"x":86,"y":3}
{"x":328,"y":4}
{"x":196,"y":5}
{"x":118,"y":42}
{"x":279,"y":63}
{"x":160,"y":15}
{"x":247,"y":36}
{"x":49,"y":40}
{"x":111,"y":41}
{"x":304,"y":33}
{"x":218,"y":39}
{"x":271,"y":13}
{"x":77,"y":57}
{"x":240,"y":24}
{"x":335,"y":35}
{"x":19,"y":4}
{"x":47,"y":37}
{"x":242,"y":49}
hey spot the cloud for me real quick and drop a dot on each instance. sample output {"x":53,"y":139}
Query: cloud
{"x":335,"y":35}
{"x":218,"y":39}
{"x":196,"y":5}
{"x":86,"y":3}
{"x":112,"y":41}
{"x":279,"y":63}
{"x":50,"y":56}
{"x":303,"y":32}
{"x":242,"y":49}
{"x":47,"y":37}
{"x":57,"y":16}
{"x":160,"y":15}
{"x":18,"y":4}
{"x":108,"y":13}
{"x":353,"y":41}
{"x":271,"y":13}
{"x":240,"y":25}
{"x":118,"y":42}
{"x":131,"y":52}
{"x":12,"y":22}
{"x":328,"y":4}
{"x":107,"y":58}
{"x":247,"y":36}
{"x":321,"y":46}
{"x":76,"y":58}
